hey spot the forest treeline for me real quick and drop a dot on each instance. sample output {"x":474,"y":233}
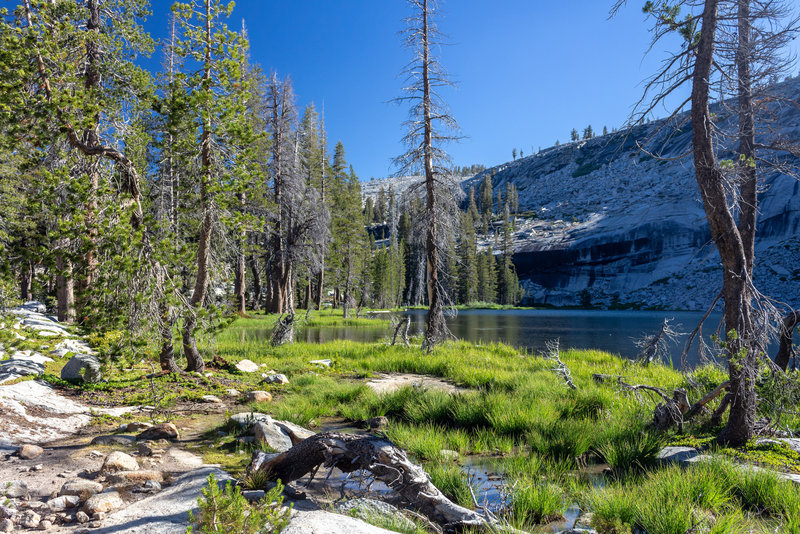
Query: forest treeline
{"x":136,"y":201}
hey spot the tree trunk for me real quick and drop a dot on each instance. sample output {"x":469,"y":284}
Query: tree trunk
{"x":65,"y":294}
{"x":786,"y":350}
{"x":435,"y":325}
{"x":194,"y":359}
{"x":92,"y":83}
{"x":729,"y":241}
{"x":256,"y":275}
{"x":26,"y":281}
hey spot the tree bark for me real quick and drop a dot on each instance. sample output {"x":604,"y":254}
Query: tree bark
{"x":26,"y":281}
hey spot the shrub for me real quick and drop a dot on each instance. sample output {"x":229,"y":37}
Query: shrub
{"x":227,"y":511}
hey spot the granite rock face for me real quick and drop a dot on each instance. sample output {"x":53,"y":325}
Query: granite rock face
{"x":603,"y":222}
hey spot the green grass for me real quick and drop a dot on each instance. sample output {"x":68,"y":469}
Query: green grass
{"x":511,"y":406}
{"x":715,"y":496}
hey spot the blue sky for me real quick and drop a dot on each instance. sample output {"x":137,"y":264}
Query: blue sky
{"x":528,"y":71}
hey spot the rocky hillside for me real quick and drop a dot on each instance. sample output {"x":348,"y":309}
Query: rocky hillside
{"x":605,"y":220}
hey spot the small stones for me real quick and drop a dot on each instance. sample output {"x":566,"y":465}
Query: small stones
{"x":6,"y":525}
{"x":162,"y":431}
{"x":82,"y":517}
{"x":232,"y":392}
{"x":246,"y":366}
{"x":81,"y":488}
{"x":259,"y":396}
{"x":145,"y":449}
{"x":130,"y":478}
{"x":323,"y":363}
{"x":119,"y":461}
{"x":45,"y":525}
{"x":102,"y":503}
{"x":6,"y":512}
{"x":30,"y":452}
{"x":29,"y":519}
{"x":277,"y":378}
{"x":212,"y":399}
{"x":59,"y":504}
{"x":37,"y":467}
{"x":151,"y":486}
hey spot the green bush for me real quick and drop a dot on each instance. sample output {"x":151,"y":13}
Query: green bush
{"x":227,"y":511}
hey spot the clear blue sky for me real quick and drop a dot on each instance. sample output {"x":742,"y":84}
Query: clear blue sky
{"x":527,"y":71}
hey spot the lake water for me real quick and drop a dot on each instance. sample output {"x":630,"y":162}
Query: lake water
{"x":612,"y":331}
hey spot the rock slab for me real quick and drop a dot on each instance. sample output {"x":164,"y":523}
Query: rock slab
{"x":82,"y":367}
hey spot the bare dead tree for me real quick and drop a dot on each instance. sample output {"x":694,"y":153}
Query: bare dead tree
{"x":428,"y":129}
{"x":561,"y":368}
{"x":655,"y":347}
{"x":731,"y":216}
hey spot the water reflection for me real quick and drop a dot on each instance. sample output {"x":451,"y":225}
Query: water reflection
{"x":612,"y":331}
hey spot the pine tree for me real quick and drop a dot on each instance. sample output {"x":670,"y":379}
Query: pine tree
{"x":467,"y":255}
{"x":588,"y":132}
{"x":573,"y":135}
{"x":487,"y":194}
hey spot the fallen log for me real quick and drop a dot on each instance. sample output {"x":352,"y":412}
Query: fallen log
{"x":386,"y":462}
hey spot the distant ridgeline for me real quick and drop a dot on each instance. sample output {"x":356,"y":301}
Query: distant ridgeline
{"x":599,"y":222}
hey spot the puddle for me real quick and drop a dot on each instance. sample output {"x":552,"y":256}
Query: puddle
{"x":487,"y":482}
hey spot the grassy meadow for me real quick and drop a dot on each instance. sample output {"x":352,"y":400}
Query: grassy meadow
{"x":511,"y":408}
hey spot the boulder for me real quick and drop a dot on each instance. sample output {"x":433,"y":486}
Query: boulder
{"x":295,"y":432}
{"x":323,"y":363}
{"x":29,"y":519}
{"x":13,"y":489}
{"x":212,"y":399}
{"x":272,"y":435}
{"x":81,"y":488}
{"x":59,"y":504}
{"x":103,"y":503}
{"x":119,"y":461}
{"x":82,"y":367}
{"x":82,"y":517}
{"x":161,"y":431}
{"x":246,"y":420}
{"x":17,"y":367}
{"x":247,"y":366}
{"x":259,"y":396}
{"x":137,"y":426}
{"x":377,"y":423}
{"x":6,"y":525}
{"x":330,"y":523}
{"x":232,"y":392}
{"x":277,"y":378}
{"x":45,"y":524}
{"x":30,"y":452}
{"x":679,"y":455}
{"x":116,"y":439}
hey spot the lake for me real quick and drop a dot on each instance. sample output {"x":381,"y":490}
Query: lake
{"x":612,"y":331}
